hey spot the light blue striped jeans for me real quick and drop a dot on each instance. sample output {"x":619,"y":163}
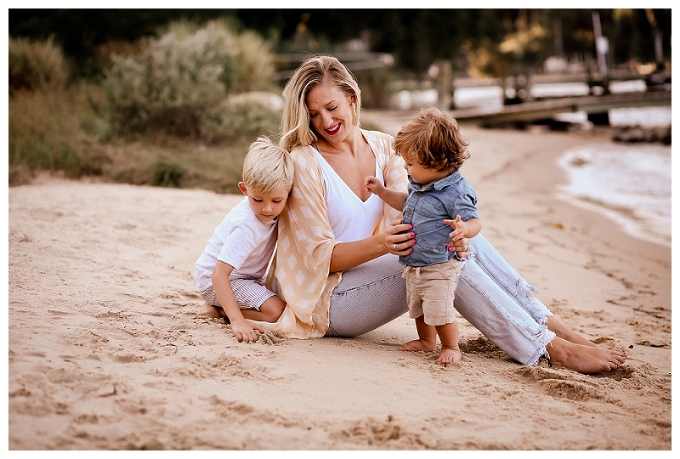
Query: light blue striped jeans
{"x":491,"y":295}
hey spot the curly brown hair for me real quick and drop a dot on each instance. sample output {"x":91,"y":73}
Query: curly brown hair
{"x":434,"y":140}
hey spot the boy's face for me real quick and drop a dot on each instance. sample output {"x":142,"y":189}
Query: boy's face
{"x":265,"y":207}
{"x":420,"y":174}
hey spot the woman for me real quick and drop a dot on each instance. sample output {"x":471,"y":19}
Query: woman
{"x":336,"y":264}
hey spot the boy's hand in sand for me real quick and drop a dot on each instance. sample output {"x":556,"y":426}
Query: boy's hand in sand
{"x":374,"y":185}
{"x":246,"y":331}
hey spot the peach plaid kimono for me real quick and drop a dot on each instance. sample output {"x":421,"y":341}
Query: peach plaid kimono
{"x":299,"y":272}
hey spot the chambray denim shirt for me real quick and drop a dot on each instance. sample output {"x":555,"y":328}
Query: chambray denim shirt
{"x":426,"y":210}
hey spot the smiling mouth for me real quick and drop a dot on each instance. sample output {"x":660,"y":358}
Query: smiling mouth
{"x":334,"y":130}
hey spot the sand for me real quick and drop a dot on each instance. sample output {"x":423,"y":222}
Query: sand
{"x":106,"y":351}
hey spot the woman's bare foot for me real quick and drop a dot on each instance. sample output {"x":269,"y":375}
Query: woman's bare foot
{"x":212,"y":312}
{"x":567,"y":333}
{"x":419,"y":345}
{"x":449,"y":355}
{"x":584,"y":358}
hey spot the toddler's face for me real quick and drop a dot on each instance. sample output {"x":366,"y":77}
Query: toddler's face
{"x":419,"y":173}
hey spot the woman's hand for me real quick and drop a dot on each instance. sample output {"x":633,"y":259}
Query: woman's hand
{"x":398,"y":238}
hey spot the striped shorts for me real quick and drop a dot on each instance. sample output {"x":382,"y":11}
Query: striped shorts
{"x":250,"y":293}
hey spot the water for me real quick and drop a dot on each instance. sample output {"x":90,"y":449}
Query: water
{"x":629,"y":183}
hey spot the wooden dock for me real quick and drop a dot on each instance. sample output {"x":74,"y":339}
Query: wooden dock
{"x":392,"y":120}
{"x":536,"y":110}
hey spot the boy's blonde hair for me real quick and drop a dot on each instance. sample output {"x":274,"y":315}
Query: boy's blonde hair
{"x":295,"y":122}
{"x":434,"y":140}
{"x":268,"y":168}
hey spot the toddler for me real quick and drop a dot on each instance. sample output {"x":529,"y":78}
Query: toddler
{"x":438,"y":199}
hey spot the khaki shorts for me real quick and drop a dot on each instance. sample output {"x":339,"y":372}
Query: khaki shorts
{"x":430,"y":291}
{"x":250,"y":293}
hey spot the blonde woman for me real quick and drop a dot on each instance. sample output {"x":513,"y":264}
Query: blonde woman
{"x":336,"y":265}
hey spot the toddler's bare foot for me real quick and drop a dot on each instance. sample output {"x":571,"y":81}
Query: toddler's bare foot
{"x":449,"y":355}
{"x":584,"y":358}
{"x":419,"y":345}
{"x":209,"y":311}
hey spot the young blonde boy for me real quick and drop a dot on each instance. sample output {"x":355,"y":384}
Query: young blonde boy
{"x":438,"y":199}
{"x":230,"y":271}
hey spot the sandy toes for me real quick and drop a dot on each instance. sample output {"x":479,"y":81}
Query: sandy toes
{"x":418,"y":345}
{"x":584,"y":358}
{"x":449,"y":355}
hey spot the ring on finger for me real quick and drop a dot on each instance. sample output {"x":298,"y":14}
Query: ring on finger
{"x":395,"y":246}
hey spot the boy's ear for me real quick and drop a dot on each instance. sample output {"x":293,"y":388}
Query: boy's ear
{"x":242,"y":187}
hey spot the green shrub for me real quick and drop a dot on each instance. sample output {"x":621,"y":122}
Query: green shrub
{"x":171,"y":75}
{"x":243,"y":116}
{"x":375,"y":87}
{"x":46,"y":132}
{"x":184,"y":75}
{"x":36,"y":65}
{"x":167,"y":173}
{"x":253,"y":62}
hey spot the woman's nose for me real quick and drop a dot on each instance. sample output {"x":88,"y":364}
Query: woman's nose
{"x":327,"y":119}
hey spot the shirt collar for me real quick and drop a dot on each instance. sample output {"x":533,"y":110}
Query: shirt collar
{"x":439,"y":184}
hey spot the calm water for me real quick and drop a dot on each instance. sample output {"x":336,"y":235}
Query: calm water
{"x":629,"y":183}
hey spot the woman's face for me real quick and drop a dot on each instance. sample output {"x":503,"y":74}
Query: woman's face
{"x":330,"y":112}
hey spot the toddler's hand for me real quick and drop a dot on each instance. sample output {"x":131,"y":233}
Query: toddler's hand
{"x":458,"y":242}
{"x":374,"y":185}
{"x":459,"y":228}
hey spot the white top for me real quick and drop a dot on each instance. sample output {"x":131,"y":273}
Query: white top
{"x":242,"y":241}
{"x":343,"y":203}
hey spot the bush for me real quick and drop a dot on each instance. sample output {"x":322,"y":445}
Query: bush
{"x":243,"y":116}
{"x":36,"y":66}
{"x":375,"y":87}
{"x":184,"y":75}
{"x":254,"y":63}
{"x":167,"y":173}
{"x":48,"y":131}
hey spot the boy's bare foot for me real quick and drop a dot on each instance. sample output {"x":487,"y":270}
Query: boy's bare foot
{"x":584,"y":358}
{"x":449,"y":355}
{"x":419,"y":345}
{"x":209,"y":311}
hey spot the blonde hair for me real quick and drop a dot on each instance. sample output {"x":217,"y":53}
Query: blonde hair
{"x":434,"y":140}
{"x":296,"y":129}
{"x":268,"y":168}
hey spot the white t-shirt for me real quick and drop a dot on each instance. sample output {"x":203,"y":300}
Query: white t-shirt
{"x":242,"y":241}
{"x":351,"y":219}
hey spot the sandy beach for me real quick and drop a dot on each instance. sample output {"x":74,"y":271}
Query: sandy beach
{"x":106,"y":351}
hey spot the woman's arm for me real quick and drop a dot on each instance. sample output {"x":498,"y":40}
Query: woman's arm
{"x":396,"y":239}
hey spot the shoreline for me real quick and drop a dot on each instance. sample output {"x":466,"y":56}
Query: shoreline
{"x":119,"y":360}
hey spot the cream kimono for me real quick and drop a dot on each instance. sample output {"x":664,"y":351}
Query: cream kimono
{"x":299,"y":273}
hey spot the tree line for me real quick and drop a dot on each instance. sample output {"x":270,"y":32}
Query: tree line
{"x":494,"y":41}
